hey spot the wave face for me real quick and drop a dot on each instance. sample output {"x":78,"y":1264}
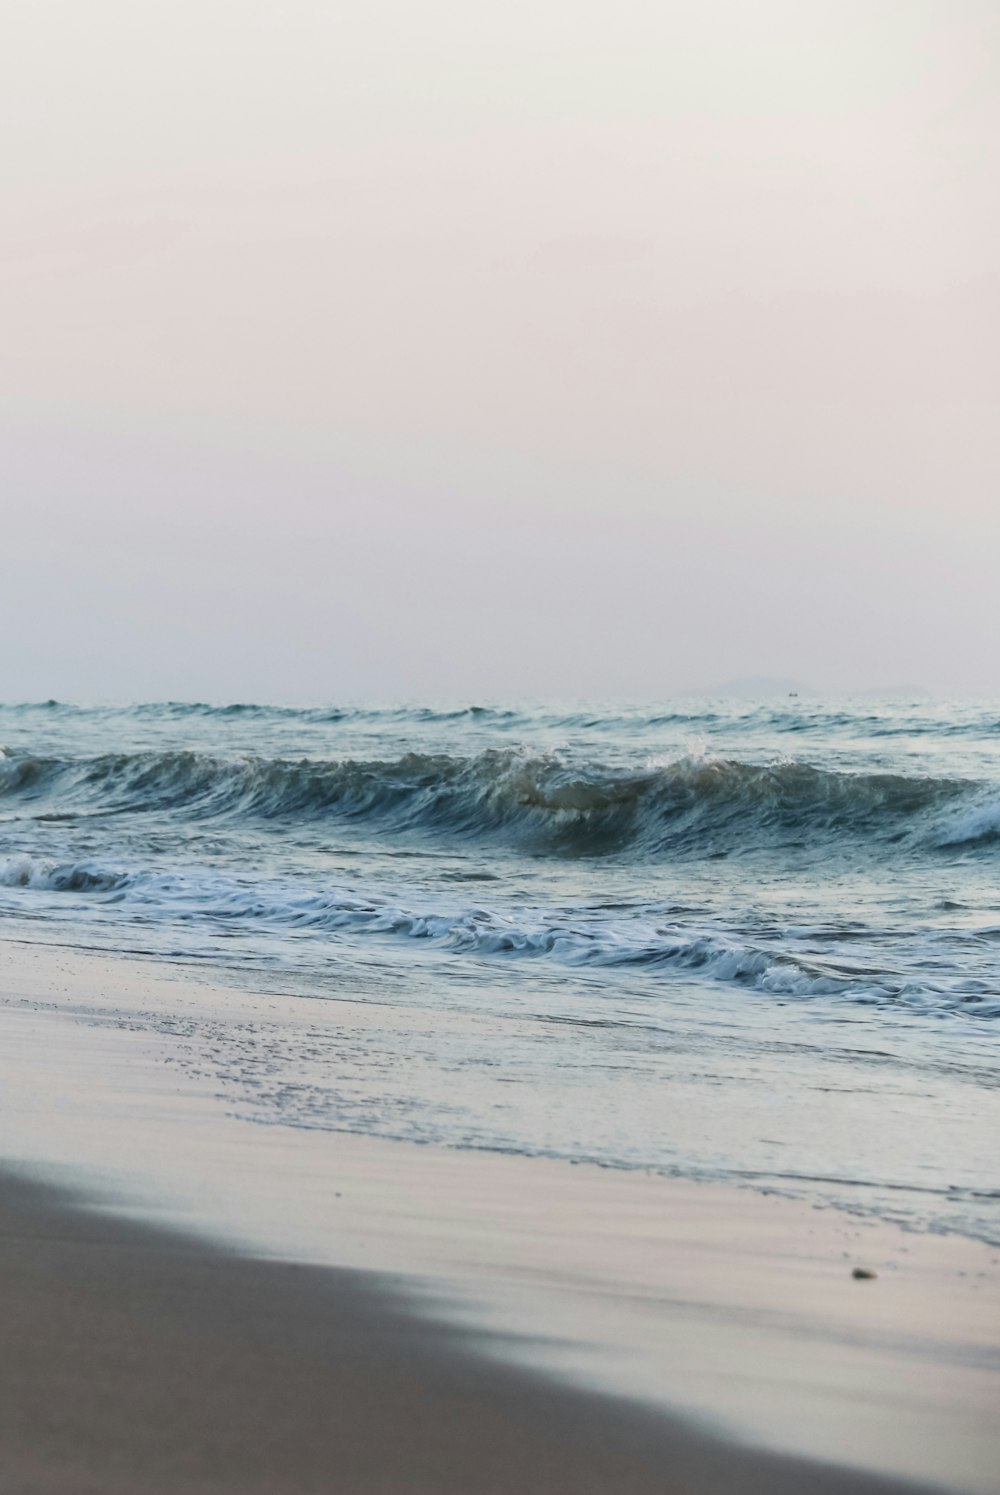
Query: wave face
{"x":539,"y":802}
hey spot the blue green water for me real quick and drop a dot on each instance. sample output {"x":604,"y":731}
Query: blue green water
{"x":752,"y":942}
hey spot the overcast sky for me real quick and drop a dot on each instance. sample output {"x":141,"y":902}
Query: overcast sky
{"x":451,"y":348}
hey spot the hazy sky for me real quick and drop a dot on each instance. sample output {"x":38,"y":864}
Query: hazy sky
{"x":567,"y":347}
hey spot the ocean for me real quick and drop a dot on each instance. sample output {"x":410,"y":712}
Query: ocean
{"x":756,"y":943}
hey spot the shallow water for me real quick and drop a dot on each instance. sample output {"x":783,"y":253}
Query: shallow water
{"x":751,"y":942}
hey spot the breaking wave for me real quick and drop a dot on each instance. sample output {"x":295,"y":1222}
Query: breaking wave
{"x":536,"y":802}
{"x":69,"y":877}
{"x":579,"y":937}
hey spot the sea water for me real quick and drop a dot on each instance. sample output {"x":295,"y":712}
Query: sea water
{"x":752,"y":942}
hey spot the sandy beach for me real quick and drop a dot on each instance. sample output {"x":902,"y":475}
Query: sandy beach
{"x":196,"y":1302}
{"x":143,"y":1362}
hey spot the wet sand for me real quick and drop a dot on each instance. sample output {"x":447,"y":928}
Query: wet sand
{"x":136,"y":1361}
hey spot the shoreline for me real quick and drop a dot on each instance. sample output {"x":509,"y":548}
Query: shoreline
{"x":735,"y":1310}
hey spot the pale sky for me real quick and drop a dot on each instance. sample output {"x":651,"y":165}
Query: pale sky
{"x":451,"y":349}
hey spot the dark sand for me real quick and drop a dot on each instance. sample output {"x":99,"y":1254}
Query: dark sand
{"x":134,"y":1361}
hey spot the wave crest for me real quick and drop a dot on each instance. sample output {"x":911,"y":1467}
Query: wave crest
{"x":537,"y":801}
{"x":578,"y":937}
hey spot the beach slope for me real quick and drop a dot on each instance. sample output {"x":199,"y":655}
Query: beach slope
{"x":136,"y":1361}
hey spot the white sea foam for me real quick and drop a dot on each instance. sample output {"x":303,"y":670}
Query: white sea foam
{"x":33,"y":872}
{"x":577,"y":937}
{"x":981,"y":823}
